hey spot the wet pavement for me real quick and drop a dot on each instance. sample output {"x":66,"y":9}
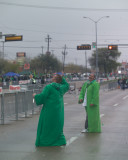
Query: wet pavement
{"x":17,"y":138}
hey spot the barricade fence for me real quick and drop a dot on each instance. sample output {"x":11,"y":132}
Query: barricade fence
{"x":15,"y":105}
{"x":109,"y":86}
{"x":103,"y":86}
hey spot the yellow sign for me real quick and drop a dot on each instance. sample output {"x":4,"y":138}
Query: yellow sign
{"x":13,"y":38}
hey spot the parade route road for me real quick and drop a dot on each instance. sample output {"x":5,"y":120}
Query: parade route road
{"x":18,"y":137}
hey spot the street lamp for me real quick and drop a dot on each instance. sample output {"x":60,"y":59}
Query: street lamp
{"x":96,"y":41}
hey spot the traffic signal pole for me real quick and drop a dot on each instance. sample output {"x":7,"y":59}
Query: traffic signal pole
{"x":96,"y":41}
{"x":64,"y":53}
{"x":96,"y":52}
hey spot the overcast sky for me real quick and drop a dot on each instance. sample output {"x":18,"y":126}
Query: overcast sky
{"x":63,"y":21}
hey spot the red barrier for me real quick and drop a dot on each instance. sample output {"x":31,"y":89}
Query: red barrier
{"x":1,"y":90}
{"x":14,"y":88}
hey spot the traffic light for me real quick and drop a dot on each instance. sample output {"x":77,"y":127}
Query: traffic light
{"x":84,"y":47}
{"x":112,"y":47}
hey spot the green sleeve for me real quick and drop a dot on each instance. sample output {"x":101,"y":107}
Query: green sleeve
{"x":95,"y":94}
{"x":82,"y":92}
{"x":64,"y":86}
{"x":41,"y":98}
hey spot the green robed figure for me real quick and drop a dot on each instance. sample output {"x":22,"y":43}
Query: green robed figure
{"x":89,"y":96}
{"x":51,"y":121}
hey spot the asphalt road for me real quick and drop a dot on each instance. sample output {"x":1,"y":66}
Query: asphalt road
{"x":17,"y":138}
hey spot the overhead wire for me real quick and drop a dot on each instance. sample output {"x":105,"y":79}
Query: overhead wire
{"x":64,"y":8}
{"x":74,"y":34}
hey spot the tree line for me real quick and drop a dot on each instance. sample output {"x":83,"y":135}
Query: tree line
{"x":48,"y":63}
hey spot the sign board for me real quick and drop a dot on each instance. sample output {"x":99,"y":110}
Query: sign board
{"x":93,"y":44}
{"x":1,"y":90}
{"x":27,"y":66}
{"x":24,"y":81}
{"x":84,"y":47}
{"x":13,"y":38}
{"x":0,"y":35}
{"x":21,"y":54}
{"x":14,"y":88}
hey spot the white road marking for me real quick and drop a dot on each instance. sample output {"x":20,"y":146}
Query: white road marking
{"x":101,"y":115}
{"x":65,"y":103}
{"x":72,"y":139}
{"x":115,"y":104}
{"x":125,"y":97}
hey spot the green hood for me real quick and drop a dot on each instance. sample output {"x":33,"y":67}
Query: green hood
{"x":57,"y":86}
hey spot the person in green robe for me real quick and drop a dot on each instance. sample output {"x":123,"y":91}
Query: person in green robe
{"x":51,"y":120}
{"x":89,"y":96}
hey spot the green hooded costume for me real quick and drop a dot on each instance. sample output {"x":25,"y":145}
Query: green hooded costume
{"x":92,"y":97}
{"x":51,"y":121}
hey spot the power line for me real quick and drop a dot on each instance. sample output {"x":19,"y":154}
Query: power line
{"x":120,"y":45}
{"x":64,"y":8}
{"x":74,"y":34}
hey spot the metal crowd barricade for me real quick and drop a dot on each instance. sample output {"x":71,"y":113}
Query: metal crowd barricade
{"x":14,"y":105}
{"x":109,"y":86}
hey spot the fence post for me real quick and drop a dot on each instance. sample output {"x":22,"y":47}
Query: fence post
{"x":26,"y":104}
{"x":2,"y":108}
{"x":32,"y":103}
{"x":16,"y":105}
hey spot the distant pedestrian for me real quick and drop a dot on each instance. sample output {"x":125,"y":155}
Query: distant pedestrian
{"x":89,"y":96}
{"x":119,"y":82}
{"x":123,"y":83}
{"x":51,"y":121}
{"x":42,"y":80}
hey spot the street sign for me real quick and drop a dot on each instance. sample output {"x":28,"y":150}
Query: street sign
{"x":0,"y":35}
{"x":27,"y":66}
{"x":84,"y":47}
{"x":13,"y":38}
{"x":93,"y":44}
{"x":21,"y":54}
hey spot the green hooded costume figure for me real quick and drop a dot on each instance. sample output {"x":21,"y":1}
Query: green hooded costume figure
{"x":92,"y":97}
{"x":51,"y":121}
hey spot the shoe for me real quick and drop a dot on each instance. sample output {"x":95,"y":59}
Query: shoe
{"x":84,"y":131}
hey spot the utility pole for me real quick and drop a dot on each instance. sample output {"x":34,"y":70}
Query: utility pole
{"x":76,"y":61}
{"x":64,"y":53}
{"x":52,"y":51}
{"x":42,"y":49}
{"x":86,"y":62}
{"x":97,"y":69}
{"x":48,"y":40}
{"x":3,"y":50}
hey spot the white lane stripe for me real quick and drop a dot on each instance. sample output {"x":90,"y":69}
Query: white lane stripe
{"x":101,"y":115}
{"x":72,"y":139}
{"x":115,"y":104}
{"x":65,"y":103}
{"x":125,"y":97}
